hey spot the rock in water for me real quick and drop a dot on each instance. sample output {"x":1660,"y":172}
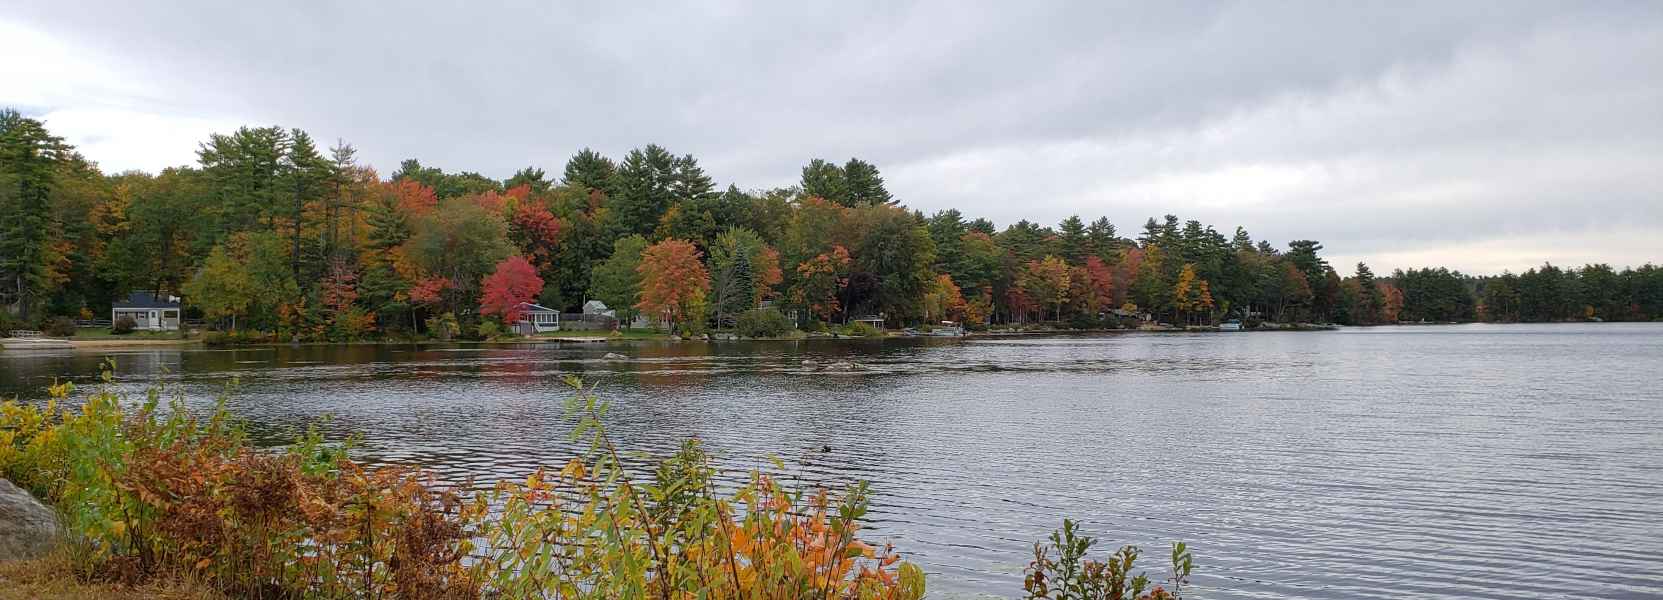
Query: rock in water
{"x":841,"y":366}
{"x":28,"y":529}
{"x":614,"y":356}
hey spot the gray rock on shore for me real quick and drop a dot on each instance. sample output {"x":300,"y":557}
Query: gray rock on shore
{"x":28,"y":529}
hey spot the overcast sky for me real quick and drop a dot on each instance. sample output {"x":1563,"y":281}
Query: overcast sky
{"x":1473,"y":135}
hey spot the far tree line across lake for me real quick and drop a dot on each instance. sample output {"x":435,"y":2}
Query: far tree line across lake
{"x":271,"y":233}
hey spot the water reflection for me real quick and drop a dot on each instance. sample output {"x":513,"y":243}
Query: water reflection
{"x":1474,"y":461}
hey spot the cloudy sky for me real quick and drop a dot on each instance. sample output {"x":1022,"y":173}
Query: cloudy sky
{"x":1475,"y":135}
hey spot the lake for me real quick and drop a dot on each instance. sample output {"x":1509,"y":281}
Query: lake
{"x":1471,"y":461}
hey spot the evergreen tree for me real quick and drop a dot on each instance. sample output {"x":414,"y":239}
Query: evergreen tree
{"x":590,"y":171}
{"x":29,"y":158}
{"x":246,"y":170}
{"x":862,"y":185}
{"x":1073,"y":244}
{"x":305,"y":171}
{"x":1102,"y":241}
{"x":647,"y":185}
{"x":531,"y":177}
{"x":825,"y":180}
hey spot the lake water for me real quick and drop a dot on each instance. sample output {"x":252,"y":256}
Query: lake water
{"x":1475,"y":461}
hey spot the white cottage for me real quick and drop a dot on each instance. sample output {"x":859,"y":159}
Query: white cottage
{"x":536,"y":318}
{"x":148,"y":311}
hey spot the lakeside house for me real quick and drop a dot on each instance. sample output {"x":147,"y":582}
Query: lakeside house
{"x":148,"y":311}
{"x":536,"y":318}
{"x":876,"y":321}
{"x":596,"y":307}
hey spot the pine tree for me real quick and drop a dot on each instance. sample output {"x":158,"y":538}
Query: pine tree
{"x":1101,"y":240}
{"x":590,"y":171}
{"x":647,"y":184}
{"x":29,"y":156}
{"x":1072,"y":243}
{"x":863,"y":185}
{"x":305,"y":170}
{"x":825,"y":180}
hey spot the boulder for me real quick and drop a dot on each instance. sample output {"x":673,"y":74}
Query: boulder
{"x":614,"y":356}
{"x":841,"y":366}
{"x":28,"y":529}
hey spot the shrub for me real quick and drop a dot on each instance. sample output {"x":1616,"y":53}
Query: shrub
{"x":1070,"y":575}
{"x":859,"y":330}
{"x":123,"y":325}
{"x":443,"y":326}
{"x":1085,"y":321}
{"x":350,"y":325}
{"x":58,"y":327}
{"x":161,"y":492}
{"x":237,"y":337}
{"x":6,"y":324}
{"x":489,"y":329}
{"x":761,"y":322}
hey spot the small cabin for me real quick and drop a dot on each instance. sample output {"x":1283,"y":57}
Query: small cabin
{"x":149,"y":312}
{"x":596,"y":307}
{"x":875,"y":321}
{"x":536,"y":318}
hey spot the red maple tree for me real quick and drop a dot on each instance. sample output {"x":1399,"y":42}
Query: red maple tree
{"x":515,"y":282}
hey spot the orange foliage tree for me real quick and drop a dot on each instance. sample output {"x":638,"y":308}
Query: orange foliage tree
{"x":673,"y":280}
{"x":820,"y":280}
{"x":413,"y":198}
{"x":1093,"y":285}
{"x":943,"y":300}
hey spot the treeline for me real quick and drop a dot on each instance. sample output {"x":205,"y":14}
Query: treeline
{"x":271,"y":232}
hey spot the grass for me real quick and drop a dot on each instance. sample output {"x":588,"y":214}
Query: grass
{"x":53,"y":579}
{"x":103,"y":333}
{"x":625,"y":334}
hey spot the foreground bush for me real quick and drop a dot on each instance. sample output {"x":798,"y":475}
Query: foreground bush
{"x":1071,"y":576}
{"x":160,"y":492}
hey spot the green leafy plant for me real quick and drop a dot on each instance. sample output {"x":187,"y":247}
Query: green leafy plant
{"x":762,"y":322}
{"x":489,"y":329}
{"x":1061,"y":571}
{"x":859,"y":329}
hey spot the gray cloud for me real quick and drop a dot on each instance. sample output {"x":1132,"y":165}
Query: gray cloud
{"x":1483,"y":136}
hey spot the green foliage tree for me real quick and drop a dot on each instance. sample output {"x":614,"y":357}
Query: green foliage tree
{"x":617,"y":280}
{"x":222,"y":288}
{"x":462,"y":243}
{"x":733,"y":273}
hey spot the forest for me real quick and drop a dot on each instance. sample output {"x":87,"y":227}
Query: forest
{"x":269,"y":231}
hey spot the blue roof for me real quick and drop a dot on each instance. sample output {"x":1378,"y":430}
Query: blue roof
{"x":145,"y":300}
{"x":537,"y":307}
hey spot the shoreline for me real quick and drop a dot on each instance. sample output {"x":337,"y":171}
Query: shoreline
{"x":107,"y":343}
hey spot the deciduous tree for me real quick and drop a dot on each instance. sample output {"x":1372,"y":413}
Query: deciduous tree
{"x":673,"y":282}
{"x":513,"y":283}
